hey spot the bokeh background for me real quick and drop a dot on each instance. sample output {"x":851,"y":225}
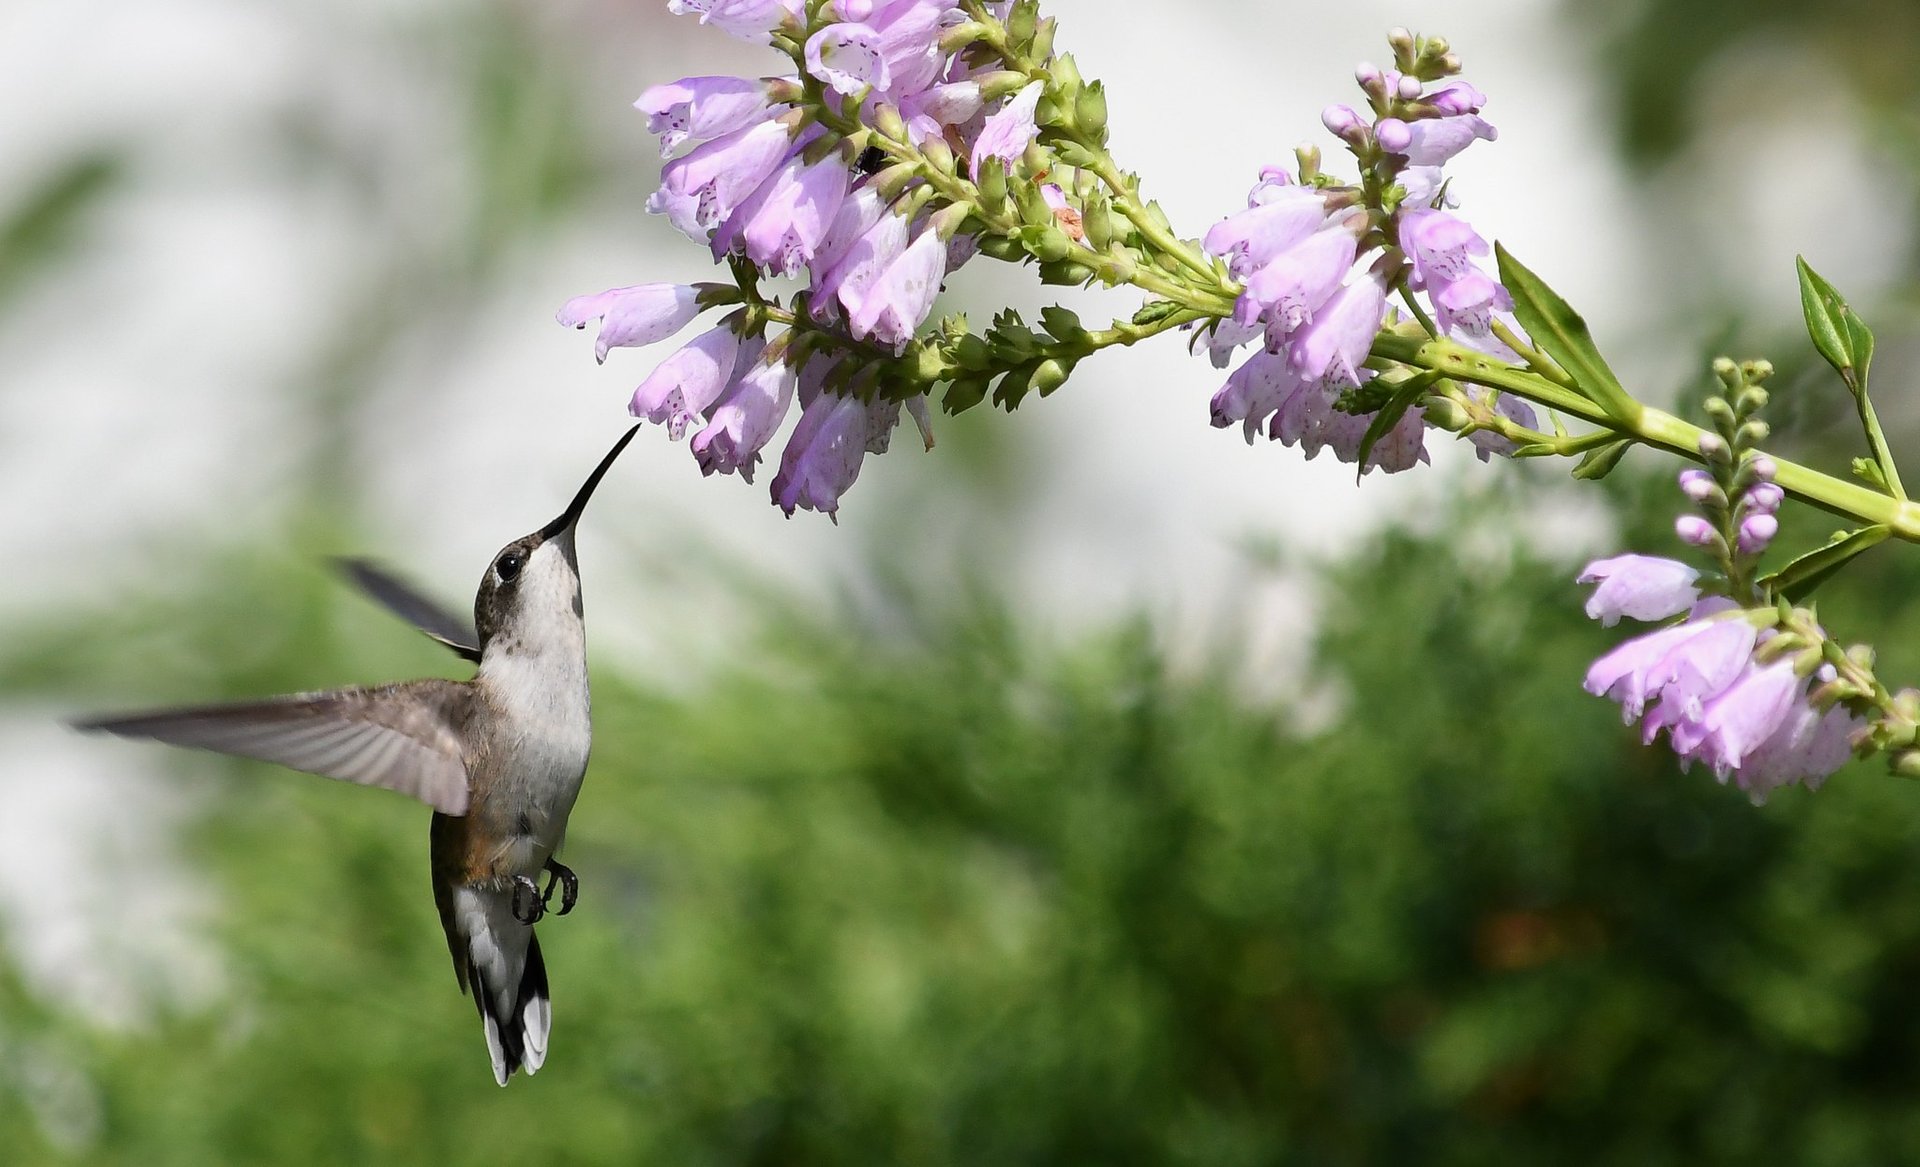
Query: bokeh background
{"x":1098,"y":790}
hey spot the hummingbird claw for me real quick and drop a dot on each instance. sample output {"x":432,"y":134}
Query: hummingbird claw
{"x":536,"y":907}
{"x":569,"y":884}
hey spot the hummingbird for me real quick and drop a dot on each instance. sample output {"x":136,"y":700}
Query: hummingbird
{"x":499,"y":758}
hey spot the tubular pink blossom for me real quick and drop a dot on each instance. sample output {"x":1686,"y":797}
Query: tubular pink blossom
{"x":699,"y":108}
{"x":1441,"y":246}
{"x":1644,"y":587}
{"x":1261,"y":384}
{"x":869,"y":256}
{"x":745,"y":418}
{"x":823,"y":455}
{"x":1010,"y":129}
{"x":749,"y":20}
{"x":717,"y":176}
{"x":1332,"y":346}
{"x":847,"y":58}
{"x":632,"y":317}
{"x":786,"y":220}
{"x":1437,"y":140}
{"x":1287,"y":292}
{"x":681,"y":387}
{"x":1253,"y":238}
{"x":902,"y":295}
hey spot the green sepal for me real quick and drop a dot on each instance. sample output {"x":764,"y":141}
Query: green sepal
{"x":1561,"y":331}
{"x":1012,"y":389}
{"x":1868,"y":471}
{"x":1600,"y":461}
{"x":1797,"y":580}
{"x":1155,"y":311}
{"x":1063,"y":324}
{"x":1405,"y":395}
{"x":964,"y":394}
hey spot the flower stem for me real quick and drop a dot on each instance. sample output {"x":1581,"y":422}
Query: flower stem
{"x":1652,"y":427}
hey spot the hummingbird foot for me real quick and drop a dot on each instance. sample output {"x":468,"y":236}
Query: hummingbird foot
{"x":569,"y":885}
{"x":535,"y":906}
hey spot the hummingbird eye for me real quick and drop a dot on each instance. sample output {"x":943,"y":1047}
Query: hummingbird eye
{"x":508,"y":566}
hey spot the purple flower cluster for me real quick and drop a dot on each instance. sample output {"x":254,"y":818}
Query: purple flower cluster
{"x":1720,"y":684}
{"x":755,"y":178}
{"x":1316,"y":269}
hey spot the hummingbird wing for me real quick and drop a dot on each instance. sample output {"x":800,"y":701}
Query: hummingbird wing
{"x":429,"y":616}
{"x":404,"y":737}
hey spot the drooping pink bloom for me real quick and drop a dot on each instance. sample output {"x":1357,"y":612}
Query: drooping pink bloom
{"x":786,"y":220}
{"x":680,"y":388}
{"x":749,"y":20}
{"x":893,"y":306}
{"x":718,"y":175}
{"x":1467,"y":305}
{"x":744,"y":420}
{"x":1436,"y":140}
{"x":1010,"y":129}
{"x":910,"y":44}
{"x":846,"y":283}
{"x":1331,"y":347}
{"x":1441,"y":246}
{"x":1686,"y":663}
{"x":1253,"y":238}
{"x":847,"y":58}
{"x":1488,"y":443}
{"x":698,"y":108}
{"x":1644,"y":587}
{"x":1262,"y":383}
{"x":632,"y":317}
{"x":929,"y":112}
{"x":1287,"y":292}
{"x":823,"y":455}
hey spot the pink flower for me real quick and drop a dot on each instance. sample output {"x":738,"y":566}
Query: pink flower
{"x":681,"y":387}
{"x":1644,"y":587}
{"x":750,"y":20}
{"x":1332,"y":346}
{"x":862,"y":264}
{"x":847,"y":58}
{"x":1290,"y":289}
{"x":1436,"y":140}
{"x":786,"y":220}
{"x":745,"y":418}
{"x":632,"y":317}
{"x":1010,"y":129}
{"x":699,"y":108}
{"x":893,"y":306}
{"x":823,"y":455}
{"x":1255,"y":237}
{"x":718,"y":175}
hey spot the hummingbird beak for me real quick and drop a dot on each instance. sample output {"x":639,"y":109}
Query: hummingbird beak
{"x":571,"y":515}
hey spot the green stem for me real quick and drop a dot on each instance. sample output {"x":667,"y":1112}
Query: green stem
{"x":1653,"y":427}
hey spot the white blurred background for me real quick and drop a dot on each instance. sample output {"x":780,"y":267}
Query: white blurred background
{"x":307,"y":296}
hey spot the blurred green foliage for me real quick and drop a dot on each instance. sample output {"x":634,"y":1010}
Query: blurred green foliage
{"x":955,"y":896}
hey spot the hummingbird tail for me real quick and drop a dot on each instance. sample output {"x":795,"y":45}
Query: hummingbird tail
{"x":508,"y":980}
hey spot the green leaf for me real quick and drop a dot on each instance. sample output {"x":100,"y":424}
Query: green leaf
{"x":1600,"y":461}
{"x":1868,"y":471}
{"x":1558,"y":329}
{"x":1405,"y":395}
{"x":1845,"y":341}
{"x":1822,"y":305}
{"x":1798,"y":579}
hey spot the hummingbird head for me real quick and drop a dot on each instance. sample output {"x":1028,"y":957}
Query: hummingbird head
{"x":535,"y":580}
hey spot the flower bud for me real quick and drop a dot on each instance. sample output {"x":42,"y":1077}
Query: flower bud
{"x":1695,"y":530}
{"x":1393,"y":135}
{"x":1765,"y":498}
{"x":1762,"y":468}
{"x":1697,"y":484}
{"x":1756,"y":531}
